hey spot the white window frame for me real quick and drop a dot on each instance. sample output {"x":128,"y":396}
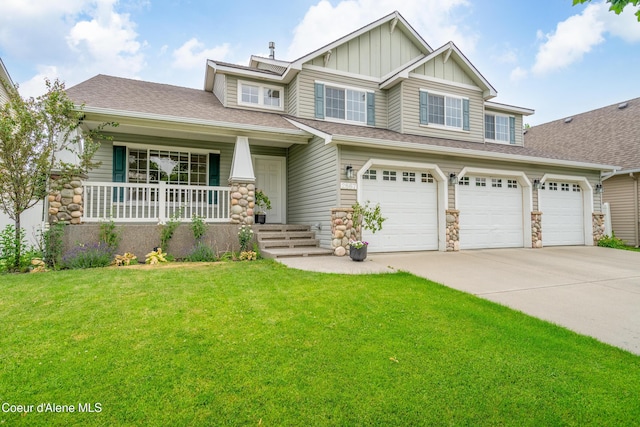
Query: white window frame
{"x":149,"y":148}
{"x":495,"y":127}
{"x":262,"y":91}
{"x":445,"y":96}
{"x":345,"y":89}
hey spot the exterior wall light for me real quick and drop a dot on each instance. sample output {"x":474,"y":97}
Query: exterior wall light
{"x":453,"y":179}
{"x":598,"y":188}
{"x":350,"y":172}
{"x":536,"y":184}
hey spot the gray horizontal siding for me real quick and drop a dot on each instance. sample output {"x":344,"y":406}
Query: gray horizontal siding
{"x":411,"y":111}
{"x":357,"y":157}
{"x":104,"y":172}
{"x":312,"y":186}
{"x":220,"y":88}
{"x":306,"y":94}
{"x":618,"y":192}
{"x":395,"y":108}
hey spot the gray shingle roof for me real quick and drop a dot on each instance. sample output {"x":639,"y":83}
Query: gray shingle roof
{"x":608,"y":135}
{"x":389,"y":135}
{"x":154,"y":98}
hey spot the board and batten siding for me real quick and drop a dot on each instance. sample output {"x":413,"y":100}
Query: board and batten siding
{"x":220,"y":88}
{"x":448,"y":70}
{"x":312,"y":183}
{"x":306,"y":93}
{"x":411,"y":110}
{"x":375,"y":53}
{"x":358,"y":156}
{"x":519,"y":124}
{"x":619,"y":193}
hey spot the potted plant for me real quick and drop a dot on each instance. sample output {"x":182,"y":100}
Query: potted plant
{"x":263,"y":204}
{"x":368,"y":218}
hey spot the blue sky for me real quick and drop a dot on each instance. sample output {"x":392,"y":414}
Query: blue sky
{"x":546,"y":55}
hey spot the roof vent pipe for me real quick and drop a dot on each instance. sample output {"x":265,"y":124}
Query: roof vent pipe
{"x":272,"y":50}
{"x":623,"y":105}
{"x":568,"y":119}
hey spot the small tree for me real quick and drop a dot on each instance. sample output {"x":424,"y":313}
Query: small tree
{"x":31,"y":132}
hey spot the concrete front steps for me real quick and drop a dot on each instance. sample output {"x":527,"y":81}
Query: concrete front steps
{"x":282,"y":240}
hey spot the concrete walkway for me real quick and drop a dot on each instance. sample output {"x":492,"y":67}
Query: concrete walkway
{"x":593,"y":291}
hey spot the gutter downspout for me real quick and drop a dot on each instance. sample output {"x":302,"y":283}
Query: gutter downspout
{"x":636,"y":208}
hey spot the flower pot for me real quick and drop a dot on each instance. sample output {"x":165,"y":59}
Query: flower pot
{"x":358,"y":254}
{"x":260,"y":218}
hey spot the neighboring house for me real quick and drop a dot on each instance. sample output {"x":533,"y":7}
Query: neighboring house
{"x":377,"y":115}
{"x":609,"y":135}
{"x":31,"y":219}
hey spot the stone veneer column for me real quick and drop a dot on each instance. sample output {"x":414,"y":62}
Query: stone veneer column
{"x":242,"y":202}
{"x":65,"y":201}
{"x":342,"y":230}
{"x":598,"y":227}
{"x":536,"y":229}
{"x":453,"y":230}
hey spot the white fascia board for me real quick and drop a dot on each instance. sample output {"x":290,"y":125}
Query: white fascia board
{"x":5,"y":74}
{"x":192,"y":121}
{"x":286,"y":77}
{"x":620,"y":172}
{"x":509,"y":108}
{"x":326,"y":136}
{"x":409,"y":146}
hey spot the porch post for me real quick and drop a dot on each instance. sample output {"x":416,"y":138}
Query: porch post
{"x":242,"y":182}
{"x":162,"y":201}
{"x":65,"y":199}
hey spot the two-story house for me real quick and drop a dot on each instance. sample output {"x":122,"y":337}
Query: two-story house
{"x":378,"y":115}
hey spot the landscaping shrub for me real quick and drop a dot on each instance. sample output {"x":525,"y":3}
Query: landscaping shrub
{"x":201,"y":253}
{"x":110,"y":235}
{"x":52,"y":245}
{"x":612,"y":242}
{"x":88,"y":256}
{"x":8,"y":250}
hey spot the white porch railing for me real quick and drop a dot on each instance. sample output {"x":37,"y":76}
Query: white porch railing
{"x":128,"y":202}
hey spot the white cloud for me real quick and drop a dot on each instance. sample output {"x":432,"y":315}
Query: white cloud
{"x":572,"y":39}
{"x":108,"y":41}
{"x":36,"y":85}
{"x":579,"y":34}
{"x":434,"y":20}
{"x":518,"y":74}
{"x":193,"y":54}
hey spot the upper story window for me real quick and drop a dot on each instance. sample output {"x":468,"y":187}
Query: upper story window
{"x":258,"y":95}
{"x":498,"y":128}
{"x":344,"y":103}
{"x":444,"y":110}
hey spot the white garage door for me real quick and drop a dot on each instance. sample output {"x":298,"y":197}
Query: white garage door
{"x":409,"y":201}
{"x":490,"y":212}
{"x":562,"y":214}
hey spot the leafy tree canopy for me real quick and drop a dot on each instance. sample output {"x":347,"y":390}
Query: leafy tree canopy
{"x":616,"y":5}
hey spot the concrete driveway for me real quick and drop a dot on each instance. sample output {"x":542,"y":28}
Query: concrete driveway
{"x":593,"y":291}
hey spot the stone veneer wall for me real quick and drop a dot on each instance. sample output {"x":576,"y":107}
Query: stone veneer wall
{"x":242,"y":202}
{"x":536,"y":229}
{"x":342,"y":230}
{"x":453,"y":230}
{"x":598,"y":227}
{"x":66,"y":204}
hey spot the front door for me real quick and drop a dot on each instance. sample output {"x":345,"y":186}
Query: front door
{"x":270,"y":178}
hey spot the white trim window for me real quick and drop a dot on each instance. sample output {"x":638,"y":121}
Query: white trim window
{"x":441,"y":110}
{"x":252,"y":94}
{"x":496,"y":128}
{"x":345,"y":104}
{"x":150,"y":166}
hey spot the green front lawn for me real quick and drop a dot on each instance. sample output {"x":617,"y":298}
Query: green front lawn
{"x":256,"y":343}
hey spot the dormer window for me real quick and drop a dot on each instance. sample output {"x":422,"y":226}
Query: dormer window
{"x":258,"y":95}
